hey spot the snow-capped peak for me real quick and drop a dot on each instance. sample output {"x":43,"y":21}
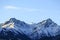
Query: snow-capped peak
{"x":46,"y":22}
{"x":49,"y":20}
{"x":13,"y":20}
{"x":47,"y":27}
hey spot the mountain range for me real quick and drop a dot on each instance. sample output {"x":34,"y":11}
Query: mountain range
{"x":14,"y":29}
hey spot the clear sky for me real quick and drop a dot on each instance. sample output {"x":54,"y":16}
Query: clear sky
{"x":30,"y":10}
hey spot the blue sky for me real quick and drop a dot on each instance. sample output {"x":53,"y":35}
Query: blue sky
{"x":30,"y":10}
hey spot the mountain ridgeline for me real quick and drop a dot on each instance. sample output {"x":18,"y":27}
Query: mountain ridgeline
{"x":18,"y":30}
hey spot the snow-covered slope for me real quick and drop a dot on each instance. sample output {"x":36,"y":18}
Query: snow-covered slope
{"x":16,"y":29}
